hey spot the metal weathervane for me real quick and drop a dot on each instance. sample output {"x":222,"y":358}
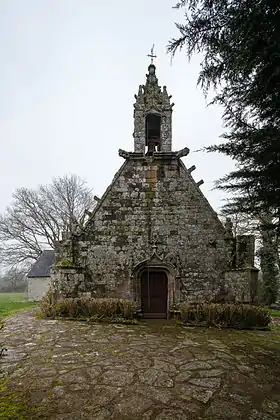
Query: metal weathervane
{"x":152,"y":55}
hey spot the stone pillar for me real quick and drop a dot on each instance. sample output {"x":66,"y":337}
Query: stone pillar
{"x":139,"y":132}
{"x":166,"y":131}
{"x":245,"y":251}
{"x":241,"y":286}
{"x":230,"y":241}
{"x":67,"y":281}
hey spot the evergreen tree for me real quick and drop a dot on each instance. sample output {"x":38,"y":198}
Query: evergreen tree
{"x":268,"y":262}
{"x":240,"y":44}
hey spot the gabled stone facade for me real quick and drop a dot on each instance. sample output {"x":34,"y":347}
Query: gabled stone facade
{"x":154,"y":219}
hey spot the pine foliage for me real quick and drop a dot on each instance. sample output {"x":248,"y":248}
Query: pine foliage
{"x":240,"y":44}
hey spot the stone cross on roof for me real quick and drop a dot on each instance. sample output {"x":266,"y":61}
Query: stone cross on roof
{"x":152,"y":55}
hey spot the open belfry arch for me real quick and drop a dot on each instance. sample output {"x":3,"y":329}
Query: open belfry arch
{"x":152,"y":116}
{"x":153,"y":237}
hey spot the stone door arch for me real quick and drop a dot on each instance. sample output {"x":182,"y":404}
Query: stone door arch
{"x":161,"y":270}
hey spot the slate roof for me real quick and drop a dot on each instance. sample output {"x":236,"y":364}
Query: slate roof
{"x":41,"y":268}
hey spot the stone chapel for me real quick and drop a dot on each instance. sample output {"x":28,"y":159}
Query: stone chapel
{"x":153,"y":237}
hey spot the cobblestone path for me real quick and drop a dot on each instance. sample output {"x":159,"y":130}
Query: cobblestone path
{"x":76,"y":370}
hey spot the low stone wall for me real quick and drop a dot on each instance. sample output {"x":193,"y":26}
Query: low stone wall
{"x":68,"y":281}
{"x":242,"y":285}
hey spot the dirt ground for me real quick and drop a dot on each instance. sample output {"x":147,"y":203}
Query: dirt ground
{"x":155,"y":370}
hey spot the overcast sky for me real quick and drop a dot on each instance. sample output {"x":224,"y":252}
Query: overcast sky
{"x":69,"y":71}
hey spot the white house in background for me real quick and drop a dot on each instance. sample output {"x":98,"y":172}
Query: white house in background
{"x":39,"y":276}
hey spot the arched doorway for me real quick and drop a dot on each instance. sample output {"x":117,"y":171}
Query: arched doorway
{"x":154,"y":293}
{"x":154,"y":287}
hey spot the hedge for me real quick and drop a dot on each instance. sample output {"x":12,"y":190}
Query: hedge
{"x":86,"y":307}
{"x":225,"y":315}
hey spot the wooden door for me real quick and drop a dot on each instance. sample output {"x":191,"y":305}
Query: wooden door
{"x":154,"y":294}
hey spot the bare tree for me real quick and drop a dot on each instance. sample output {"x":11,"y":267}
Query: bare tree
{"x":37,"y":218}
{"x":14,"y":280}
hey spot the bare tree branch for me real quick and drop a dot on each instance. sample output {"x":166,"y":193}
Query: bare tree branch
{"x":37,"y":218}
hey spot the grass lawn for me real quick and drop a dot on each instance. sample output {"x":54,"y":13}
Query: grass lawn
{"x":13,"y":302}
{"x":274,"y":313}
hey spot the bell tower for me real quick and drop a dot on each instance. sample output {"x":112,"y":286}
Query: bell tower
{"x":152,"y":116}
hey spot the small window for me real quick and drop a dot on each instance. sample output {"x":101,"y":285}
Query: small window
{"x":153,"y":123}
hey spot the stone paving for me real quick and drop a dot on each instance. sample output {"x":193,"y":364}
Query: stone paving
{"x":155,"y":370}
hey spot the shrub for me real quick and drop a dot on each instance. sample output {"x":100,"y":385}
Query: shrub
{"x":85,"y":307}
{"x":226,"y":315}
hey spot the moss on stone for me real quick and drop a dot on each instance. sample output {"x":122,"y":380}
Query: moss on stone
{"x":64,"y":263}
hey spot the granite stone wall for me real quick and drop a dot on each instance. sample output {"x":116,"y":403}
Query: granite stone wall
{"x":154,"y":215}
{"x":67,"y":281}
{"x":241,"y":285}
{"x":152,"y":207}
